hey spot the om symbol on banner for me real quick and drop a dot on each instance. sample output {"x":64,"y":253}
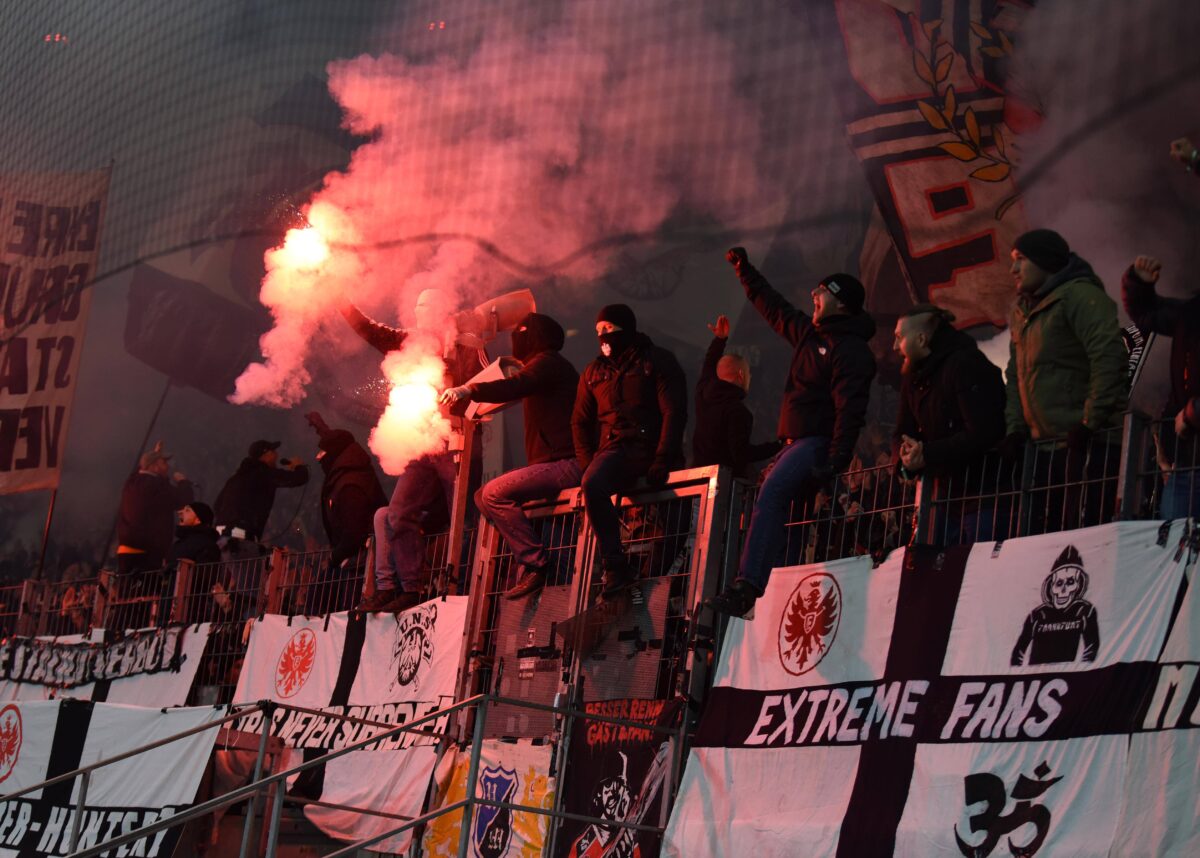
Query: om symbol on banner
{"x":989,"y":789}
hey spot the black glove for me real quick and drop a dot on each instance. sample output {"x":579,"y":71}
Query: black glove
{"x":736,"y":256}
{"x":1013,"y":445}
{"x":1079,"y":437}
{"x":658,"y":474}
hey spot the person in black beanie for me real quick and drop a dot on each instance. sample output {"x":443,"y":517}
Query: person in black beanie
{"x":195,"y":536}
{"x":824,"y":408}
{"x":1068,"y":376}
{"x":628,"y":422}
{"x":545,"y":384}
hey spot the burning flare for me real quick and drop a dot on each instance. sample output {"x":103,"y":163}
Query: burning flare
{"x":411,"y":425}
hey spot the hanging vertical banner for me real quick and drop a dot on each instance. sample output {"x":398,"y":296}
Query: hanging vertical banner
{"x":1016,"y":698}
{"x":619,"y":773}
{"x":512,"y":772}
{"x":927,"y":110}
{"x":49,"y":247}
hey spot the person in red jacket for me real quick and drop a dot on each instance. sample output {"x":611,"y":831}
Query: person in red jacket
{"x":824,"y":408}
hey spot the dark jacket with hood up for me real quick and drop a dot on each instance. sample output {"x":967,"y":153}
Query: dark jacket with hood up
{"x":636,"y":398}
{"x":1067,"y":363}
{"x":953,"y":402}
{"x":1178,"y":319}
{"x":546,"y":384}
{"x":723,"y":422}
{"x":829,"y":381}
{"x":247,"y":497}
{"x":350,"y":493}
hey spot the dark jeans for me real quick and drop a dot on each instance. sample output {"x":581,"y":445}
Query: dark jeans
{"x":500,"y":503}
{"x":424,"y":489}
{"x":1073,"y":490}
{"x":614,"y":469}
{"x":1181,"y":495}
{"x":764,"y":541}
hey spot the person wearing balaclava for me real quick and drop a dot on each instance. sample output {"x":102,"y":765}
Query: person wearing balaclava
{"x":1068,"y":377}
{"x":545,"y":384}
{"x":824,"y":408}
{"x":628,"y":422}
{"x":427,"y":484}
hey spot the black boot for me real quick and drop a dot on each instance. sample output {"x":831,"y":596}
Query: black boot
{"x":532,"y":580}
{"x":737,"y":600}
{"x":618,"y":576}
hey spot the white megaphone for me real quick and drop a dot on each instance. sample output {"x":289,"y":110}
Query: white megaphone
{"x":495,"y":315}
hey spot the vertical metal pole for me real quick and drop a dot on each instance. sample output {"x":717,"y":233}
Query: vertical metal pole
{"x":1025,"y":503}
{"x":923,"y":513}
{"x":77,"y":823}
{"x":252,"y":804}
{"x":46,"y":533}
{"x":464,"y":831}
{"x":276,"y":812}
{"x":1132,"y":445}
{"x":458,"y":507}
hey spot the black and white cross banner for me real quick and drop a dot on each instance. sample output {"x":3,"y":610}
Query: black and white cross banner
{"x":385,"y":668}
{"x":40,"y":740}
{"x":1017,"y":699}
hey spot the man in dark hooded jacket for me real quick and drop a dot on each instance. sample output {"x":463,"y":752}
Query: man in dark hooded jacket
{"x":146,"y":518}
{"x":628,"y":422}
{"x":951,"y":413}
{"x":246,"y":499}
{"x":546,"y":385}
{"x":1179,"y":319}
{"x":350,"y":495}
{"x":723,"y":422}
{"x":195,"y":536}
{"x":824,"y":408}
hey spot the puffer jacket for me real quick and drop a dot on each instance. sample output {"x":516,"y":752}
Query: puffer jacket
{"x":1067,"y":364}
{"x":636,"y":398}
{"x":829,"y":381}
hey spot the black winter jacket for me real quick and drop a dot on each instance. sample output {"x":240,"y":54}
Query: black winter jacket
{"x":247,"y":497}
{"x":1178,"y":319}
{"x":196,"y":543}
{"x":953,"y":402}
{"x":350,"y":494}
{"x":146,"y":519}
{"x":636,"y":398}
{"x":723,"y":422}
{"x":546,"y":384}
{"x":829,"y":381}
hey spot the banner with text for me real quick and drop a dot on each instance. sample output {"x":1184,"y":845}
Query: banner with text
{"x":382,"y":670}
{"x":956,"y":702}
{"x":49,"y":247}
{"x":41,"y":740}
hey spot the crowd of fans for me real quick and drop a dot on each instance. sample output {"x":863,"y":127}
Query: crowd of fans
{"x":620,"y":424}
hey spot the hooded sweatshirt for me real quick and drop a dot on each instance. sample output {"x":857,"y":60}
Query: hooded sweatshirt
{"x":1067,"y":363}
{"x":350,"y":494}
{"x":546,"y":385}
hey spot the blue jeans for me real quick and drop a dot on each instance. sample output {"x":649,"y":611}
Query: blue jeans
{"x":500,"y":503}
{"x":764,"y":541}
{"x":399,"y":546}
{"x":1181,"y":495}
{"x":613,"y":469}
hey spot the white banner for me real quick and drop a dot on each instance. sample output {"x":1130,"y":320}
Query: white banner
{"x":41,"y":740}
{"x":388,"y":669}
{"x":980,"y":700}
{"x":49,"y":247}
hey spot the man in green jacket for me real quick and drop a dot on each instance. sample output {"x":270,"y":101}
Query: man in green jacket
{"x":1067,"y":374}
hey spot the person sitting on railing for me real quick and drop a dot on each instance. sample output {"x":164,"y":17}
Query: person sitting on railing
{"x":146,"y":521}
{"x":824,"y":409}
{"x":951,"y":412}
{"x":1179,"y":319}
{"x":1067,"y":373}
{"x":546,"y":385}
{"x":630,"y":413}
{"x":723,"y":422}
{"x":195,"y":536}
{"x":427,"y":484}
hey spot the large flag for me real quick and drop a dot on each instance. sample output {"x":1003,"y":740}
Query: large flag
{"x":930,"y":114}
{"x":1011,"y":698}
{"x":49,"y":246}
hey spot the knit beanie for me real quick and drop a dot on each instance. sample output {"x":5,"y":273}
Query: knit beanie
{"x":1045,"y":248}
{"x":620,"y":315}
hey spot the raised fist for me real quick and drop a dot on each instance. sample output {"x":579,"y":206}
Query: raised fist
{"x":721,"y":328}
{"x":316,"y":421}
{"x":736,"y":256}
{"x":1147,"y":269}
